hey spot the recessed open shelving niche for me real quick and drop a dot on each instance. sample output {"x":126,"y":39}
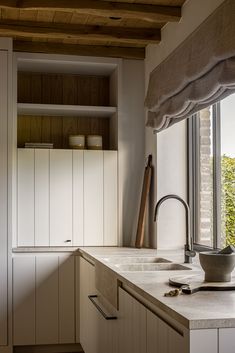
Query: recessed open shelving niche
{"x":58,"y":97}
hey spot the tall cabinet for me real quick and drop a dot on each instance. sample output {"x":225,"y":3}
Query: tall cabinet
{"x":64,"y":196}
{"x":5,"y":168}
{"x":68,"y":197}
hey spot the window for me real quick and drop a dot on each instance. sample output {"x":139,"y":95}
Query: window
{"x":212,"y":174}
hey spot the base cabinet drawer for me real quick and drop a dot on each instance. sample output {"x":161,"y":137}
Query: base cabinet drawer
{"x":43,"y":300}
{"x":142,"y":331}
{"x":98,"y":333}
{"x":132,"y":324}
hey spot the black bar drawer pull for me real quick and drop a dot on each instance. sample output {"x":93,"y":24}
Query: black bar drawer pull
{"x":107,"y":317}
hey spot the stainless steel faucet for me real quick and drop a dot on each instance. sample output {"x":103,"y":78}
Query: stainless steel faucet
{"x":188,"y":248}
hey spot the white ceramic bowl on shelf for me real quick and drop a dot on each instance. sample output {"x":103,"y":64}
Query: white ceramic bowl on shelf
{"x":77,"y":141}
{"x":94,"y":142}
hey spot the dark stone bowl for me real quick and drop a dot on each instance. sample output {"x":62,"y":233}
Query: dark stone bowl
{"x":217,"y":267}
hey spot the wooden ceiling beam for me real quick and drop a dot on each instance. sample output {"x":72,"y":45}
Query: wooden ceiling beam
{"x":83,"y":50}
{"x":147,"y":12}
{"x":62,"y":31}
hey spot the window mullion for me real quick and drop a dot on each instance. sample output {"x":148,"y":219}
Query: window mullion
{"x":216,"y":176}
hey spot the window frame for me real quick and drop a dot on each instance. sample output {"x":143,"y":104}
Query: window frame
{"x":193,"y":143}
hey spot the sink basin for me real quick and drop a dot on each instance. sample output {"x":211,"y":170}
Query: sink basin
{"x":151,"y":267}
{"x":136,"y":260}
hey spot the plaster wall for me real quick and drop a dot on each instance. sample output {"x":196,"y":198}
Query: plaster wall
{"x":169,"y":147}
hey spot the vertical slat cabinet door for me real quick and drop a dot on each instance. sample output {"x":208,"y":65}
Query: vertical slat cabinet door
{"x":66,"y":300}
{"x":110,"y":199}
{"x":88,"y":318}
{"x":47,"y":300}
{"x":204,"y":341}
{"x":83,"y":293}
{"x":25,"y":197}
{"x":42,"y":237}
{"x":132,"y":324}
{"x":60,"y":198}
{"x":226,"y":340}
{"x":3,"y":199}
{"x":77,"y":298}
{"x":162,"y":338}
{"x":78,"y":198}
{"x":153,"y":335}
{"x":93,"y":198}
{"x":24,"y":300}
{"x":110,"y":335}
{"x":176,"y":342}
{"x":94,"y":344}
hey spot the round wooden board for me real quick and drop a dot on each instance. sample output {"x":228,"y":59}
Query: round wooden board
{"x":195,"y":283}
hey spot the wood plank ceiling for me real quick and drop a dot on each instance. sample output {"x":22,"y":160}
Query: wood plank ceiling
{"x":117,"y":28}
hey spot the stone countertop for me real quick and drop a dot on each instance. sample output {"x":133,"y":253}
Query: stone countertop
{"x":201,"y":310}
{"x":46,"y":249}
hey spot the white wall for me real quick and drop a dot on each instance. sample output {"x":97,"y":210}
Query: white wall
{"x":131,"y":146}
{"x":169,"y":147}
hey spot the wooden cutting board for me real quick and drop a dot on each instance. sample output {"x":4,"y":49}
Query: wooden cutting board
{"x":194,"y":283}
{"x":143,"y":204}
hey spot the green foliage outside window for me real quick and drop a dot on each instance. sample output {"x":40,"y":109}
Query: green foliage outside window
{"x":228,"y":200}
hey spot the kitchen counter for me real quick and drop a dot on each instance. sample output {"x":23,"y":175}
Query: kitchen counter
{"x":44,"y":249}
{"x":202,"y":310}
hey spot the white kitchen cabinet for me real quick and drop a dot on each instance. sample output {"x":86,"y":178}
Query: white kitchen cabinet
{"x":163,"y":338}
{"x":47,"y":300}
{"x":61,"y":198}
{"x":4,"y":236}
{"x":204,"y":340}
{"x":226,"y":340}
{"x":110,"y":198}
{"x":33,"y":197}
{"x":77,"y":299}
{"x":67,"y":299}
{"x":97,"y":334}
{"x":88,"y":337}
{"x":93,"y":198}
{"x":25,"y":199}
{"x":42,"y":221}
{"x":24,"y":328}
{"x":78,"y":197}
{"x":43,"y":299}
{"x":67,"y":197}
{"x":140,"y":330}
{"x":132,"y":324}
{"x":156,"y":334}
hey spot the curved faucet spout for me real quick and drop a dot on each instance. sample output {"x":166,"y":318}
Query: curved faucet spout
{"x":188,"y":249}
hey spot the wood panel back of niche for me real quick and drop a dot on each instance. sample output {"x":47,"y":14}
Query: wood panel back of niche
{"x":68,"y":90}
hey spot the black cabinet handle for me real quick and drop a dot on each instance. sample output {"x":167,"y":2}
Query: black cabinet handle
{"x":107,"y":317}
{"x":68,"y":241}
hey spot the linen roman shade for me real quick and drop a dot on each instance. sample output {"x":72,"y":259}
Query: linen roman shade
{"x":198,"y":73}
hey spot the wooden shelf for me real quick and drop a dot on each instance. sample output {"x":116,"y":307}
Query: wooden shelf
{"x":65,"y":110}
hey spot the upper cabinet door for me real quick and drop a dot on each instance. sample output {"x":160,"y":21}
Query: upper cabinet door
{"x":110,"y":199}
{"x":25,"y":197}
{"x":42,"y":236}
{"x":67,"y":198}
{"x":60,"y":198}
{"x":78,"y":233}
{"x":93,"y":198}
